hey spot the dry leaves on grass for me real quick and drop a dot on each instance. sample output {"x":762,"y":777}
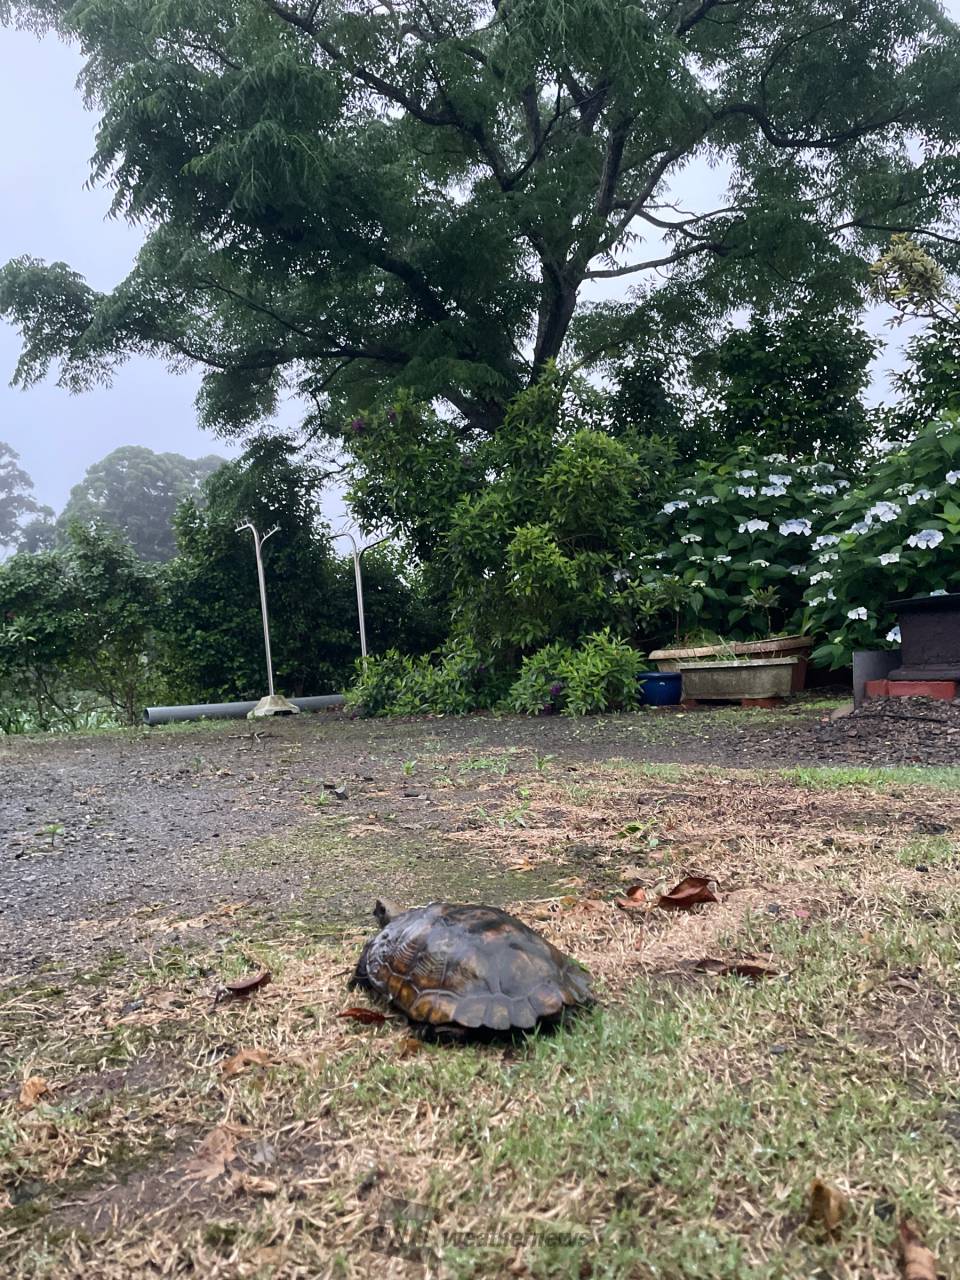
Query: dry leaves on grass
{"x":688,"y":893}
{"x":32,"y":1090}
{"x":753,"y":967}
{"x":213,"y":1155}
{"x":916,"y":1260}
{"x":635,"y":899}
{"x":370,"y":1017}
{"x":244,"y":1058}
{"x":241,"y":987}
{"x":828,"y":1206}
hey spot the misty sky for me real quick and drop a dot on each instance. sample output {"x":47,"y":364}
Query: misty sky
{"x":47,"y":212}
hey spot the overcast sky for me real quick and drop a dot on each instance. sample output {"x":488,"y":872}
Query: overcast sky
{"x":47,"y":212}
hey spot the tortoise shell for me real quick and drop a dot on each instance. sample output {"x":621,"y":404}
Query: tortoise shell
{"x":470,"y":967}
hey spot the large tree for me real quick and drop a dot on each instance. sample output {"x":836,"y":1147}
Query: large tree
{"x":136,"y":492}
{"x":348,"y":197}
{"x":16,"y":496}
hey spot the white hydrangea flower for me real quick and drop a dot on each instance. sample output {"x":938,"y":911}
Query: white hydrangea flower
{"x":698,"y":582}
{"x":939,"y":592}
{"x":687,"y":493}
{"x":883,"y":511}
{"x":676,"y":505}
{"x":620,"y":575}
{"x":831,"y":594}
{"x":691,"y":537}
{"x":893,"y":635}
{"x":745,"y":491}
{"x":772,"y":491}
{"x":861,"y":526}
{"x":827,"y":556}
{"x":859,"y":615}
{"x":825,"y":490}
{"x":890,"y":557}
{"x":843,"y":484}
{"x":778,"y":459}
{"x":779,"y":480}
{"x":921,"y":495}
{"x":696,"y":559}
{"x":926,"y":539}
{"x":797,"y":569}
{"x":952,"y":477}
{"x":796,"y":526}
{"x":760,"y":564}
{"x":819,"y":600}
{"x":723,"y":559}
{"x":826,"y":540}
{"x":745,"y":475}
{"x":753,"y":526}
{"x":820,"y":577}
{"x":904,"y":489}
{"x":707,"y":500}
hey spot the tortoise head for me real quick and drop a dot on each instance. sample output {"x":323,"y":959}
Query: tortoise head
{"x":384,"y":911}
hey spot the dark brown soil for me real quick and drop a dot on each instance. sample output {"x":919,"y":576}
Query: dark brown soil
{"x":104,"y":835}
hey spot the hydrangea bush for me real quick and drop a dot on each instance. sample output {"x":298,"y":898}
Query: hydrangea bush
{"x":742,"y":539}
{"x":897,"y":535}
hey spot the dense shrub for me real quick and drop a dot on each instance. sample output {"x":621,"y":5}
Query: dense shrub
{"x":599,"y":675}
{"x":896,"y":535}
{"x":450,"y":682}
{"x":76,"y":629}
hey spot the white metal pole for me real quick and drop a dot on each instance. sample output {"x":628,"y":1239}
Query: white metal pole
{"x":358,"y":577}
{"x":257,"y":544}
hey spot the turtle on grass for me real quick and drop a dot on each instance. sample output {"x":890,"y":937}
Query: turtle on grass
{"x":453,"y":969}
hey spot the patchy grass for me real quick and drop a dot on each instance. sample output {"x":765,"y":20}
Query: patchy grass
{"x":671,"y":1132}
{"x":877,"y":778}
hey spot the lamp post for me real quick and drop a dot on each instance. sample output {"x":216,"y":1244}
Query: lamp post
{"x":358,"y":578}
{"x":273,"y":704}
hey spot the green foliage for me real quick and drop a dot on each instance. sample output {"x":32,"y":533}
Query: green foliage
{"x":790,"y":384}
{"x":136,"y":492}
{"x":599,"y":675}
{"x":76,"y":628}
{"x":212,"y":642}
{"x":894,"y":536}
{"x":356,"y":200}
{"x":740,"y":539}
{"x":452,"y":681}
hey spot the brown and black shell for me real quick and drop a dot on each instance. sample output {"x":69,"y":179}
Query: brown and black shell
{"x":470,"y":966}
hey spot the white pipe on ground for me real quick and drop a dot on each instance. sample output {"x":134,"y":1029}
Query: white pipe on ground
{"x":230,"y":710}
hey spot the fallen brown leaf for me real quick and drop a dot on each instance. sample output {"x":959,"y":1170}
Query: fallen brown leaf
{"x":409,"y":1047}
{"x":213,"y":1155}
{"x":253,"y":1185}
{"x":244,"y":1058}
{"x":688,"y":893}
{"x":371,"y":1017}
{"x":32,"y":1090}
{"x":244,"y":986}
{"x":916,"y":1260}
{"x":635,"y":899}
{"x":828,"y":1205}
{"x":752,"y":967}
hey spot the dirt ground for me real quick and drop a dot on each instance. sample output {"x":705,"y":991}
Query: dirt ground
{"x":149,"y":1129}
{"x":101,"y":833}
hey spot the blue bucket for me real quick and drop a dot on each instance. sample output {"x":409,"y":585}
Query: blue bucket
{"x":660,"y":688}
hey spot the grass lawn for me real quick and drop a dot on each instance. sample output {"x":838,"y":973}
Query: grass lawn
{"x":672,"y":1132}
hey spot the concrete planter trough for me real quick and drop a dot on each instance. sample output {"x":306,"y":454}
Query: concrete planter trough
{"x":794,"y":647}
{"x":755,"y":680}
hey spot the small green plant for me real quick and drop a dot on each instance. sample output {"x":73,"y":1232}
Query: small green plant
{"x":52,"y":830}
{"x":409,"y":768}
{"x":600,"y":675}
{"x":452,"y":681}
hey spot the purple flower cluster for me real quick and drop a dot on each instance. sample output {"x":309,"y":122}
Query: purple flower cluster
{"x":358,"y":426}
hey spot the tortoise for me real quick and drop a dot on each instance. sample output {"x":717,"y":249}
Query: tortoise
{"x":450,"y":967}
